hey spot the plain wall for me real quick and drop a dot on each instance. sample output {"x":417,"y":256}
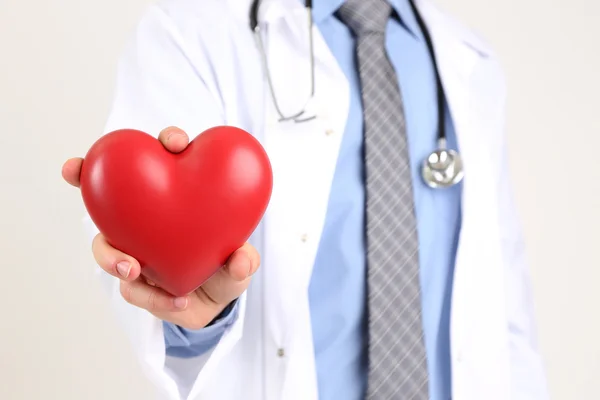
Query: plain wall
{"x":59,"y":339}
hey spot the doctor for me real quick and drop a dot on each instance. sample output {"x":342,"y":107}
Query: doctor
{"x":384,"y":274}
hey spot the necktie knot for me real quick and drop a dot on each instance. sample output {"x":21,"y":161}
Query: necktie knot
{"x":365,"y":16}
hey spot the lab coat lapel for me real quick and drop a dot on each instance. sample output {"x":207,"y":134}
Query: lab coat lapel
{"x":474,"y":91}
{"x":303,"y":156}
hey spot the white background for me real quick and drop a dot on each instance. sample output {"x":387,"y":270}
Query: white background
{"x":57,"y":63}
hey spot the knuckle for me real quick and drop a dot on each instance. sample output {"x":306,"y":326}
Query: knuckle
{"x":208,"y":297}
{"x":152,"y":301}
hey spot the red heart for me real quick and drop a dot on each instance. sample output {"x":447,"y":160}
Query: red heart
{"x":180,"y":215}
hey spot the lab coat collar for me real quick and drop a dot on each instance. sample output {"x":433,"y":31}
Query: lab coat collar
{"x":436,"y":20}
{"x":273,"y":10}
{"x":325,"y":8}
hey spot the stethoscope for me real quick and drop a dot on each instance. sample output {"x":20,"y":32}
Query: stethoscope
{"x":442,"y":168}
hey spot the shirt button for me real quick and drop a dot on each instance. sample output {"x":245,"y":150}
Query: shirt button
{"x":281,"y":352}
{"x":304,"y":238}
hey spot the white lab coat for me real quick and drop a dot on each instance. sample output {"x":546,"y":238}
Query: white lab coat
{"x":194,"y":64}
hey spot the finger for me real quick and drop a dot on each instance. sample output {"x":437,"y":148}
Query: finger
{"x":113,"y":261}
{"x":174,"y":139}
{"x":231,"y":280}
{"x":243,"y":263}
{"x":151,"y":298}
{"x":71,"y":170}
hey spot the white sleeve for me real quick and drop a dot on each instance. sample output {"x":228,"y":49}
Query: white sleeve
{"x":161,"y":83}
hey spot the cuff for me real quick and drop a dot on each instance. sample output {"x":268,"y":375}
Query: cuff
{"x":185,"y":343}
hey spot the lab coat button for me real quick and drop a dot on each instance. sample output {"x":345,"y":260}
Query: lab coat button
{"x":329,"y":132}
{"x":304,"y":238}
{"x":280,"y":352}
{"x":459,"y":357}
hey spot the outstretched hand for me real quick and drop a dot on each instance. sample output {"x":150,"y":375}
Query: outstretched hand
{"x":193,"y":311}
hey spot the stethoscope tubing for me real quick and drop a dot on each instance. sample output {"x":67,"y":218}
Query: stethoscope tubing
{"x":443,"y":168}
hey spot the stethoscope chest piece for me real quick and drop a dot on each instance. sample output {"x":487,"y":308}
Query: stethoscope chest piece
{"x":443,"y":168}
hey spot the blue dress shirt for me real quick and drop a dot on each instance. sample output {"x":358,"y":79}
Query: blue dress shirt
{"x":338,"y":285}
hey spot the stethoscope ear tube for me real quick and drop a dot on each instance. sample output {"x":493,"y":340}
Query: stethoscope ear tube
{"x":439,"y":87}
{"x":254,"y":12}
{"x":254,"y":15}
{"x":443,"y":167}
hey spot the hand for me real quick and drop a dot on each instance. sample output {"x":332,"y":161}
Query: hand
{"x":193,"y":311}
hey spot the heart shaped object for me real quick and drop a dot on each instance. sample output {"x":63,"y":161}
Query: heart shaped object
{"x":180,"y":215}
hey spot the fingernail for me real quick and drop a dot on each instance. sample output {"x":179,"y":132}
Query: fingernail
{"x":124,"y":267}
{"x":180,"y":302}
{"x":173,"y":134}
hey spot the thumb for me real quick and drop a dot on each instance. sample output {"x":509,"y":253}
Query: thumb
{"x":71,"y":170}
{"x":174,"y":139}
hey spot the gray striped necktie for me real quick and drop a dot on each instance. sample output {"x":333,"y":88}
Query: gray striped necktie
{"x":397,"y":359}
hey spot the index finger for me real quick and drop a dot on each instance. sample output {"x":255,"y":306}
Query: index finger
{"x":113,"y":261}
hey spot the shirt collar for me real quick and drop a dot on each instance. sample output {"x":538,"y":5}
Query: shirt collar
{"x":323,"y":9}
